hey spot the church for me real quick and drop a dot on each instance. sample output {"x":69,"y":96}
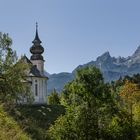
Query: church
{"x":36,"y":75}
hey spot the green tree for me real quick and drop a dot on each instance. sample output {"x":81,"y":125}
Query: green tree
{"x":13,"y":82}
{"x":88,"y":105}
{"x":9,"y":128}
{"x":130,"y":95}
{"x":53,"y":98}
{"x":125,"y":122}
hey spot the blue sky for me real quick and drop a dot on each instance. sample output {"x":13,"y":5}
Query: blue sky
{"x":73,"y":32}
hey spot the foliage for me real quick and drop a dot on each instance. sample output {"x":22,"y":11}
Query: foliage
{"x":127,"y":95}
{"x":9,"y":130}
{"x":87,"y":85}
{"x":88,"y":104}
{"x":119,"y":127}
{"x":53,"y":98}
{"x":130,"y":95}
{"x":76,"y":124}
{"x":36,"y":119}
{"x":13,"y":84}
{"x":95,"y":110}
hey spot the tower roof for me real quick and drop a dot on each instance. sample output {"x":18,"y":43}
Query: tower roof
{"x":36,"y":48}
{"x":37,"y":39}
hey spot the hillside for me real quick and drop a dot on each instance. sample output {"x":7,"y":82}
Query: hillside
{"x":9,"y":129}
{"x":36,"y":119}
{"x":111,"y":67}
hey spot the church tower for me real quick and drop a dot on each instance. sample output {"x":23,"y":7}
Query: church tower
{"x":37,"y":50}
{"x":37,"y":75}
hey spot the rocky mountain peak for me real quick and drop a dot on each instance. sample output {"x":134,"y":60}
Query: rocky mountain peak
{"x":119,"y":60}
{"x":112,"y":69}
{"x":137,"y":52}
{"x":104,"y":57}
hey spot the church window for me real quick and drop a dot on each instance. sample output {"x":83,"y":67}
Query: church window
{"x":36,"y":88}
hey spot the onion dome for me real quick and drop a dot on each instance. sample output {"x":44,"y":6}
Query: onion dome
{"x":36,"y":48}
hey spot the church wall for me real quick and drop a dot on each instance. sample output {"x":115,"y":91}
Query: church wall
{"x":40,"y":95}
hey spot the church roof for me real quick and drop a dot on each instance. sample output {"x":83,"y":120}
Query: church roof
{"x":37,"y":39}
{"x":33,"y":70}
{"x":36,"y":48}
{"x":25,"y":59}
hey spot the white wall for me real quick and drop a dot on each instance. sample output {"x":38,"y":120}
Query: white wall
{"x":42,"y":89}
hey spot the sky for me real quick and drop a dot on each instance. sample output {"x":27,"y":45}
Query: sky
{"x":72,"y":32}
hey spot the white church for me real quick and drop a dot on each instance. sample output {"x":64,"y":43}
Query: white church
{"x":36,"y":74}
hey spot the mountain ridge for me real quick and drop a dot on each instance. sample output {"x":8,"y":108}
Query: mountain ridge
{"x":112,"y":68}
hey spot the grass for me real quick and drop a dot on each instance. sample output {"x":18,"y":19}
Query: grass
{"x":9,"y":129}
{"x":36,"y":119}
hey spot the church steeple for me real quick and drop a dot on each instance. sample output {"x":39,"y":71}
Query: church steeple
{"x":36,"y":48}
{"x":36,"y":35}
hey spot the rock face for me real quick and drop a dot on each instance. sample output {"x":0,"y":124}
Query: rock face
{"x":111,"y":67}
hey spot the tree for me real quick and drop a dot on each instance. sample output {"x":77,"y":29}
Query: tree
{"x":53,"y":98}
{"x":125,"y":122}
{"x":130,"y":95}
{"x":13,"y":82}
{"x":77,"y":124}
{"x":88,"y":105}
{"x":88,"y":84}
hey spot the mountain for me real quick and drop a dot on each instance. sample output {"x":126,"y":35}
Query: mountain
{"x":58,"y":81}
{"x":112,"y":69}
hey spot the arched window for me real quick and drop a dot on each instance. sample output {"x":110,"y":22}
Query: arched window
{"x":36,"y":88}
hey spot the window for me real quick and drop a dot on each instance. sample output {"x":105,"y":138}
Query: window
{"x":36,"y":88}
